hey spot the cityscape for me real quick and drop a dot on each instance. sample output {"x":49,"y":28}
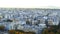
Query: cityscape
{"x":29,"y":21}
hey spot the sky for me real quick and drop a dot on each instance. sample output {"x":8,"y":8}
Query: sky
{"x":29,"y":3}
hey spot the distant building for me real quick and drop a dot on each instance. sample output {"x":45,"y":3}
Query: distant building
{"x":34,"y":22}
{"x":41,"y":21}
{"x":53,"y":20}
{"x":50,"y":22}
{"x":29,"y":22}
